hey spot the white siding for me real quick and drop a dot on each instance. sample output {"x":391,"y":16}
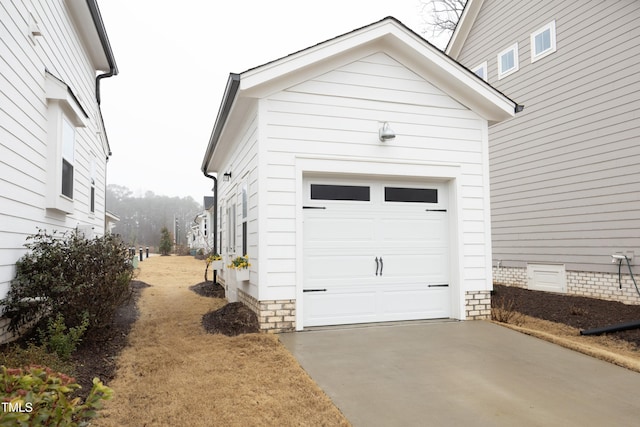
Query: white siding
{"x":564,"y":172}
{"x":23,"y":127}
{"x":242,"y":162}
{"x":339,"y":113}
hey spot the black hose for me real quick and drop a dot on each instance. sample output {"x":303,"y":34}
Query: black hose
{"x":619,"y":274}
{"x":631,"y":273}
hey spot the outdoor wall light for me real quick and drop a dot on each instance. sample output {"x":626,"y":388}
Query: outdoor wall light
{"x":385,"y":133}
{"x":226,"y":176}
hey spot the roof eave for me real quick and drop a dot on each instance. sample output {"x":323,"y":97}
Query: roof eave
{"x":228,"y":99}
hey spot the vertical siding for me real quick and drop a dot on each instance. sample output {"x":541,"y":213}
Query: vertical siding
{"x":23,"y":126}
{"x":339,"y":113}
{"x":564,"y":173}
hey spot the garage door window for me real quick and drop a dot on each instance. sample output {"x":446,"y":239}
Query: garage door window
{"x":410,"y":195}
{"x":340,"y":192}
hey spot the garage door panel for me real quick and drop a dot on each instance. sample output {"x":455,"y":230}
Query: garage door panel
{"x":336,"y":308}
{"x":331,"y":230}
{"x":416,"y":229}
{"x":353,"y":266}
{"x":425,"y":301}
{"x":374,"y":303}
{"x":425,"y":267}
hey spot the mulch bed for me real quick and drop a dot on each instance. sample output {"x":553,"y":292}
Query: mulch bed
{"x":208,"y":289}
{"x":96,"y":355}
{"x":232,"y":319}
{"x":579,"y":312}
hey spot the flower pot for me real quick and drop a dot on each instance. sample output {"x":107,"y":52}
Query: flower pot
{"x":242,"y":274}
{"x":217,"y":265}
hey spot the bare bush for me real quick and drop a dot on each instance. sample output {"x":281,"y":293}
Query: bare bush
{"x":503,"y":310}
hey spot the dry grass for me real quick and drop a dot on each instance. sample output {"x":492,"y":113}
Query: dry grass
{"x":604,"y":348}
{"x":173,"y":373}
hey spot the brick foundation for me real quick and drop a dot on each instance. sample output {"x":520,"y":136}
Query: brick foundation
{"x":478,"y":305}
{"x":274,"y":316}
{"x":582,"y":283}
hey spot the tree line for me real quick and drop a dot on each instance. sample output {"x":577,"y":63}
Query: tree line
{"x":142,"y":218}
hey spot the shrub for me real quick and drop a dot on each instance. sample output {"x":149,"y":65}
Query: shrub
{"x":72,"y":276}
{"x":504,"y":311}
{"x":39,"y":396}
{"x":60,"y":341}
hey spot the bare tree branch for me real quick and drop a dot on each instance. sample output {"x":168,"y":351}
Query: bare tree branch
{"x":441,"y":15}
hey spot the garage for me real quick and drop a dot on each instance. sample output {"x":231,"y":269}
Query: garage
{"x":375,"y":250}
{"x":355,"y":176}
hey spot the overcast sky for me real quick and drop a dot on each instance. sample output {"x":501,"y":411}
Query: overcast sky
{"x":174,"y":58}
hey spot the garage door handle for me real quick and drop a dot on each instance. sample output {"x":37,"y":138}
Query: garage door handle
{"x":443,"y":285}
{"x":314,"y":290}
{"x":377,"y":266}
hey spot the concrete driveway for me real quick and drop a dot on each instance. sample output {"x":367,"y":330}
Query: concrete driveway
{"x":470,"y":373}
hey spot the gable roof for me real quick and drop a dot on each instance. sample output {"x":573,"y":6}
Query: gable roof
{"x":388,"y":35}
{"x":460,"y":34}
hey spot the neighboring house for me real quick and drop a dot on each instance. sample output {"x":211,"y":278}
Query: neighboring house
{"x":565,"y":174}
{"x":110,"y":220}
{"x":53,"y":145}
{"x":341,"y":222}
{"x":199,"y":235}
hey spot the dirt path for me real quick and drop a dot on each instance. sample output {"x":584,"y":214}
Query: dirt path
{"x":174,"y":373}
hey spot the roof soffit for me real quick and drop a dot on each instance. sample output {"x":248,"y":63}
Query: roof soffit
{"x":82,"y":18}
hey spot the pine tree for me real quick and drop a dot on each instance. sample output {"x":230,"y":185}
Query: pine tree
{"x":165,"y":241}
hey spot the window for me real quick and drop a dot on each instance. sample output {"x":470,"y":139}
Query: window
{"x":340,"y":192}
{"x":231,"y":228}
{"x":410,"y":195}
{"x":92,"y":201}
{"x":245,"y":210}
{"x":65,"y":116}
{"x":68,"y":151}
{"x":481,"y":71}
{"x":508,"y":61}
{"x":543,"y":41}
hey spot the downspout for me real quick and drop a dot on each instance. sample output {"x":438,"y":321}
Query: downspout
{"x":106,"y":46}
{"x":215,"y":212}
{"x":112,"y":72}
{"x":215,"y":220}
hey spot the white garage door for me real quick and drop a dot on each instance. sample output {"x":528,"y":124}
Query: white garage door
{"x":375,"y":251}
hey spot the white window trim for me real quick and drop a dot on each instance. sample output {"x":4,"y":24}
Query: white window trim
{"x":516,"y":62}
{"x":551,"y":26}
{"x":482,"y":67}
{"x":231,"y":225}
{"x":61,"y":105}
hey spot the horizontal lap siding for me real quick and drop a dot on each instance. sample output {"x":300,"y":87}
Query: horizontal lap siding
{"x":339,"y":113}
{"x":23,"y":127}
{"x":564,"y":173}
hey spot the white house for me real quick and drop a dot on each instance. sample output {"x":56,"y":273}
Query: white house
{"x":53,"y":145}
{"x":355,"y":176}
{"x":199,"y":234}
